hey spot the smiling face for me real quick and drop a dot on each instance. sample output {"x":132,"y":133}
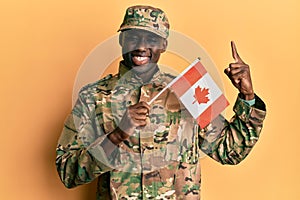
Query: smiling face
{"x":141,"y":51}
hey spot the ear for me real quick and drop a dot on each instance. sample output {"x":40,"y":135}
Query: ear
{"x":121,"y":38}
{"x":164,"y":46}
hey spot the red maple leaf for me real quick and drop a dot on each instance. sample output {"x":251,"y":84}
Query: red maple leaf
{"x":201,"y":95}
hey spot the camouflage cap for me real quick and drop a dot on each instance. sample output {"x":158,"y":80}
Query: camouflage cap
{"x":146,"y":18}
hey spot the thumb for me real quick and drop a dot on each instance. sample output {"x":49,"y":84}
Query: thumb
{"x":227,"y":71}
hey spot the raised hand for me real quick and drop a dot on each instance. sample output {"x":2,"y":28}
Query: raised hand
{"x":239,"y":74}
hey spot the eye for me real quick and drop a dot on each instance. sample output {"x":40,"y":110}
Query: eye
{"x":131,"y":38}
{"x":153,"y":40}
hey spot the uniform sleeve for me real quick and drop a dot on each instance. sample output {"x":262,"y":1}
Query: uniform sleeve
{"x":229,"y":142}
{"x":80,"y":157}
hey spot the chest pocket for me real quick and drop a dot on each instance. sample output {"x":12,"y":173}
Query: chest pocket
{"x":159,"y":139}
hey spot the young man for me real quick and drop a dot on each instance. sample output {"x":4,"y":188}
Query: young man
{"x":142,"y":151}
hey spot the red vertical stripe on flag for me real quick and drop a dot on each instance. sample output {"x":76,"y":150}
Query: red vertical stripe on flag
{"x":212,"y":111}
{"x":188,"y":79}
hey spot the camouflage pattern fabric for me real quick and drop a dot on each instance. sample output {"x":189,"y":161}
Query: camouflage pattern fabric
{"x":161,"y":160}
{"x":146,"y":18}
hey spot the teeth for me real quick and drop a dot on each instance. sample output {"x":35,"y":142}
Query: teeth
{"x":140,"y":58}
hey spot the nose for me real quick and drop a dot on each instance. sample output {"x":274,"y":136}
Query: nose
{"x":142,"y":45}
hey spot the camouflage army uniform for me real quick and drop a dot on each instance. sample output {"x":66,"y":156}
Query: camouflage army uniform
{"x":161,"y":160}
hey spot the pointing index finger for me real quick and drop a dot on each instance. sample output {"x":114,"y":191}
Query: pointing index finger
{"x":235,"y":54}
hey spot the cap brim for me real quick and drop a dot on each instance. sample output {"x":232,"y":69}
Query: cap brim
{"x":159,"y":33}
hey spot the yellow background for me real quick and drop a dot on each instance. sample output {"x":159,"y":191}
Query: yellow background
{"x":43,"y":44}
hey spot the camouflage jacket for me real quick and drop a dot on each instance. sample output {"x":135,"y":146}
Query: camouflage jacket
{"x":161,"y":160}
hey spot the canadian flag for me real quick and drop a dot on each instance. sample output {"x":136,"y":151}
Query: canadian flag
{"x":199,"y":93}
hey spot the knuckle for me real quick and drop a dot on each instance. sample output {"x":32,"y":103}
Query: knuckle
{"x":236,"y":81}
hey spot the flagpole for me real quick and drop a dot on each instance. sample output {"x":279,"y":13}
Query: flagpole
{"x":174,"y":80}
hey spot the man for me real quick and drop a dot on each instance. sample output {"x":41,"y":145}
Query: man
{"x":142,"y":151}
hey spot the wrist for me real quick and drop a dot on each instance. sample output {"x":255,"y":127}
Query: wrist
{"x":247,"y":97}
{"x":117,"y":136}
